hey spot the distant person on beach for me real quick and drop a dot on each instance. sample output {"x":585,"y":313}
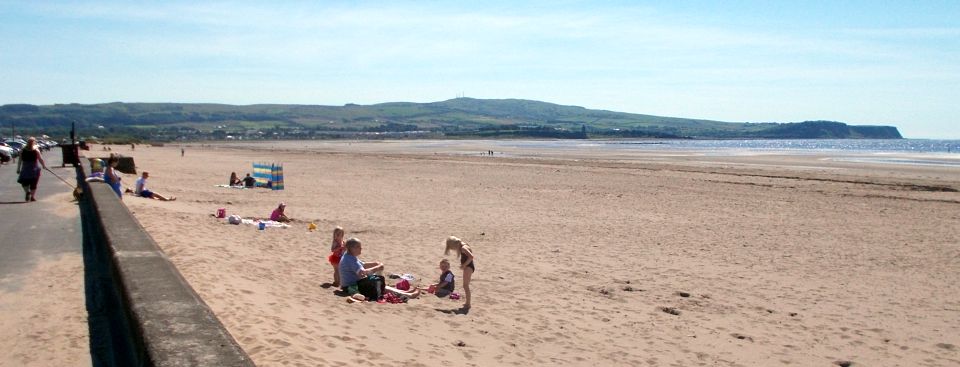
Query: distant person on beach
{"x":28,"y":168}
{"x":466,"y":263}
{"x":111,"y":176}
{"x":142,"y":191}
{"x":336,"y":252}
{"x":182,"y":152}
{"x":235,"y":180}
{"x":278,"y":214}
{"x":249,"y":181}
{"x":445,"y":286}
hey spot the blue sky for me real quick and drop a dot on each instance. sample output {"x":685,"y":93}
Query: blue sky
{"x":861,"y":62}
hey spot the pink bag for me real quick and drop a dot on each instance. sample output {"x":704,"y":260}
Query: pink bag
{"x":403,"y":285}
{"x":222,"y":213}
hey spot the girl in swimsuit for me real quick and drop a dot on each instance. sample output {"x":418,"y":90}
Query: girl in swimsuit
{"x":466,"y":263}
{"x":336,"y":252}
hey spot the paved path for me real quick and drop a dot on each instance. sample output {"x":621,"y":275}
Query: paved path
{"x":43,"y":318}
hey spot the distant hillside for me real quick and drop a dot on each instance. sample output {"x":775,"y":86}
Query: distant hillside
{"x":460,"y":117}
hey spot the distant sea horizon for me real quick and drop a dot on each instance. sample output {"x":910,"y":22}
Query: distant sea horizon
{"x":925,"y":152}
{"x":760,"y":145}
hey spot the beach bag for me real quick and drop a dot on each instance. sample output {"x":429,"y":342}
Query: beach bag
{"x":403,"y":285}
{"x":234,"y":219}
{"x":373,"y":287}
{"x":221,"y":212}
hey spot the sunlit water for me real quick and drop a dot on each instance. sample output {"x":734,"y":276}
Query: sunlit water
{"x":900,"y":151}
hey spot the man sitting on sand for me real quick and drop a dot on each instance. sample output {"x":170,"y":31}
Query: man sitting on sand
{"x":353,"y":272}
{"x":249,"y":181}
{"x":144,"y":192}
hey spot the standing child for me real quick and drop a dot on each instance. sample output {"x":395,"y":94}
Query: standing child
{"x":466,"y":263}
{"x":336,"y":252}
{"x":446,"y":284}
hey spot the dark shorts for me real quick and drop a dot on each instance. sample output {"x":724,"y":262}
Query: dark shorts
{"x":442,"y":293}
{"x":146,"y":193}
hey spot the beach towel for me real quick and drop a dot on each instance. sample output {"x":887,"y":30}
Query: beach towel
{"x":266,"y":223}
{"x":230,"y":187}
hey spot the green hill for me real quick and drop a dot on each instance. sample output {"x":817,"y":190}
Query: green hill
{"x":460,"y":117}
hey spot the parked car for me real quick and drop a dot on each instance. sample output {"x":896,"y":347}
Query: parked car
{"x":6,"y":153}
{"x":16,"y":145}
{"x":15,"y":148}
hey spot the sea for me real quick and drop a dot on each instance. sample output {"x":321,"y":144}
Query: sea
{"x":931,"y":152}
{"x":798,"y":145}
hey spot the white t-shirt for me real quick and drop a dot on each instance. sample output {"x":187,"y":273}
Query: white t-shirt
{"x":141,"y":184}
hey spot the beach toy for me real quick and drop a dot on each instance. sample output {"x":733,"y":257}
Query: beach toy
{"x":311,"y":227}
{"x":234,"y":219}
{"x":222,"y":213}
{"x":454,"y":295}
{"x":262,"y":226}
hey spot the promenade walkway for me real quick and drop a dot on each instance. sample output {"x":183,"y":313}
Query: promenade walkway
{"x":43,"y":317}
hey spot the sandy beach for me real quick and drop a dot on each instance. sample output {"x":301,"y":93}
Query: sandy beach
{"x":583,"y":258}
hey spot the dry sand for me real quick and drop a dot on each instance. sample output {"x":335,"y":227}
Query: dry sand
{"x":759,"y":259}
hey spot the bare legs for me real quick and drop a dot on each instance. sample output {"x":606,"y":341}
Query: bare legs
{"x":336,"y":276}
{"x":467,"y":273}
{"x":161,"y":197}
{"x":29,"y":192}
{"x":413,"y":293}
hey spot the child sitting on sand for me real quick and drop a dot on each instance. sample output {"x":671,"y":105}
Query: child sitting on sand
{"x":278,"y":215}
{"x":446,"y":284}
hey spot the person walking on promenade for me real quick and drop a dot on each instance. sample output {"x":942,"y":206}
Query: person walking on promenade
{"x":28,"y":167}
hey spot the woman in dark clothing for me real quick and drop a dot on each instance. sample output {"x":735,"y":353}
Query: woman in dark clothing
{"x":29,"y":169}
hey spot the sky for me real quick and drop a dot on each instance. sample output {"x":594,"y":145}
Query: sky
{"x":861,"y":62}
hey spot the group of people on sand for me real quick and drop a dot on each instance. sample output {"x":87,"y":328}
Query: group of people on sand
{"x":112,"y":177}
{"x":350,"y":273}
{"x":245,"y":182}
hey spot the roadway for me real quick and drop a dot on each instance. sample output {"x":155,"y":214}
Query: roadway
{"x":43,"y":316}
